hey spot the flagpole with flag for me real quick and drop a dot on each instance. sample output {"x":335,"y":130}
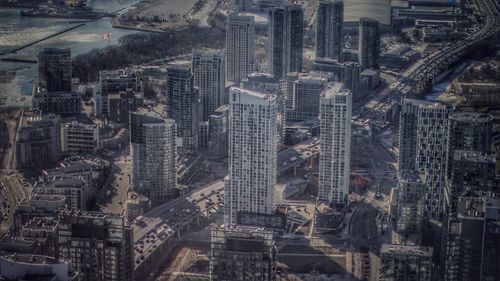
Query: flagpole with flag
{"x":105,"y":36}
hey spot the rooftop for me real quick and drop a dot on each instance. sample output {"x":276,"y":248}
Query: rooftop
{"x":475,"y":156}
{"x":33,"y":259}
{"x":473,"y":117}
{"x":253,"y":93}
{"x":390,"y":249}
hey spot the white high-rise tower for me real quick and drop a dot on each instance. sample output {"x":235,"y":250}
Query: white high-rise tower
{"x":335,"y":137}
{"x":253,"y":140}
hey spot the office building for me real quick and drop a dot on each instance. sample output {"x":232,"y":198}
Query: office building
{"x":473,"y":242}
{"x":38,"y":142}
{"x":98,"y":245}
{"x":335,"y":138}
{"x":78,"y":138}
{"x":183,"y":103}
{"x":286,"y":32}
{"x":422,"y":144}
{"x":242,"y":253}
{"x":405,"y":263}
{"x":369,"y":43}
{"x":218,"y":130}
{"x":253,"y":140}
{"x":54,"y":70}
{"x":330,"y":29}
{"x":36,"y":267}
{"x":209,"y":77}
{"x":153,"y":151}
{"x":307,"y":91}
{"x":240,"y":47}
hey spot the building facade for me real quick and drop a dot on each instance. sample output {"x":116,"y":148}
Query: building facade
{"x":335,"y":138}
{"x":242,"y":253}
{"x":209,"y":77}
{"x":405,"y":263}
{"x":369,"y":43}
{"x":183,"y":102}
{"x":98,"y":245}
{"x":218,"y":133}
{"x":422,"y":144}
{"x":473,"y":241}
{"x":78,"y":137}
{"x":54,"y":69}
{"x":39,"y":139}
{"x":306,"y":93}
{"x":286,"y":32}
{"x":240,"y":47}
{"x":154,"y":152}
{"x":330,"y":29}
{"x":253,"y":140}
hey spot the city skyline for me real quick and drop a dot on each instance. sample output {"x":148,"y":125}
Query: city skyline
{"x":251,"y":140}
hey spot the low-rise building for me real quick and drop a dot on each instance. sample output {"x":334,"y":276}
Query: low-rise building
{"x":65,"y":103}
{"x":79,"y":138}
{"x":39,"y":205}
{"x":73,"y":189}
{"x":25,"y":267}
{"x":405,"y":263}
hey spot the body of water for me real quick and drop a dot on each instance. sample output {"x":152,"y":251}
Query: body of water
{"x":16,"y":31}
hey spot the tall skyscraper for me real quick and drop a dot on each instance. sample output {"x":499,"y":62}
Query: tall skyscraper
{"x":153,"y":151}
{"x":369,"y":43}
{"x":183,"y":102}
{"x":242,"y":253}
{"x":335,"y":138}
{"x":209,"y":77}
{"x":422,"y":143}
{"x":240,"y":47}
{"x":98,"y":245}
{"x":286,"y":32}
{"x":269,"y":84}
{"x":253,"y":140}
{"x":54,"y":69}
{"x":330,"y":29}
